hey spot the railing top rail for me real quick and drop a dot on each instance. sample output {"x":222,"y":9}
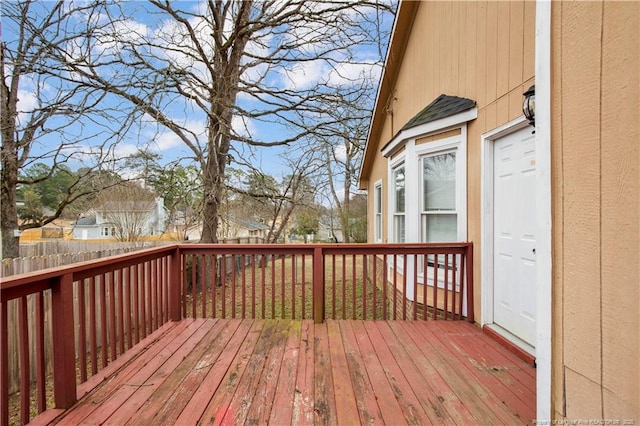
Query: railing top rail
{"x":80,"y":270}
{"x":9,"y":285}
{"x":328,"y":247}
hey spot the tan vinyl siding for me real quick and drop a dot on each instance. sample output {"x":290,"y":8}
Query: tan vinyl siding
{"x":596,"y":224}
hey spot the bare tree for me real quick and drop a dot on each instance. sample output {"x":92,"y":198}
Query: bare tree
{"x":211,"y":72}
{"x":276,"y":203}
{"x":47,"y":117}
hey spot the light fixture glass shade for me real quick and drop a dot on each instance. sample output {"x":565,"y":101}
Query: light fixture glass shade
{"x":529,"y":104}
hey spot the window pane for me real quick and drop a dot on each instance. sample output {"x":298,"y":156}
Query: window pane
{"x":398,"y":228}
{"x":378,"y":199}
{"x":441,"y":228}
{"x":439,"y":182}
{"x":398,"y":180}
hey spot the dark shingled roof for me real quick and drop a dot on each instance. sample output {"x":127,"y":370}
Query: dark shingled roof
{"x":444,"y":106}
{"x":86,"y":221}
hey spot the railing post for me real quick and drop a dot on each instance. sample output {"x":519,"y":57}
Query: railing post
{"x":64,"y":359}
{"x":174,"y":286}
{"x":318,"y":285}
{"x":4,"y":365}
{"x":469,"y":277}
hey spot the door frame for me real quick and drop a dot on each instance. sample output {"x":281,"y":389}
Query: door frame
{"x":487,"y":212}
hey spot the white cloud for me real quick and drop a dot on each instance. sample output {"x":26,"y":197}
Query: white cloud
{"x":243,"y":126}
{"x":340,"y":152}
{"x":304,"y":75}
{"x":350,"y":73}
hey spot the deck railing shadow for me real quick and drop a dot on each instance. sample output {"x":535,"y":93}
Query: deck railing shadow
{"x":89,"y":314}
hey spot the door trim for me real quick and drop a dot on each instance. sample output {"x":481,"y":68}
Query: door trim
{"x":487,"y":212}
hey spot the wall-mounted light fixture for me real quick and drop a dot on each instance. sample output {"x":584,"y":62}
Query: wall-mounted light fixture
{"x":529,"y":105}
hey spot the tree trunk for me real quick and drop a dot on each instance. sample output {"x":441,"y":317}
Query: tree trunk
{"x":9,"y":215}
{"x":345,"y":211}
{"x":9,"y":210}
{"x":212,"y":189}
{"x":9,"y":163}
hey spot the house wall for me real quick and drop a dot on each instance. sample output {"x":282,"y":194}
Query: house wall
{"x":595,"y":205}
{"x":477,"y":50}
{"x":93,"y":232}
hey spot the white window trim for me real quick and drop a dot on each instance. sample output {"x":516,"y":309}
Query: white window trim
{"x":458,"y":144}
{"x":411,"y":158}
{"x":399,"y":162}
{"x":378,"y":238}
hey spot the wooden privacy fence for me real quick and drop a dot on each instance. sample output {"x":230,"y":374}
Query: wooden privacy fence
{"x":99,"y":309}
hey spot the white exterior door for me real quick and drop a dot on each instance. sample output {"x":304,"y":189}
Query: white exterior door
{"x":514,"y":258}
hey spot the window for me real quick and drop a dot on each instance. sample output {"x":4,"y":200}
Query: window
{"x":105,"y":232}
{"x":377,"y":202}
{"x":439,"y":218}
{"x":399,"y":204}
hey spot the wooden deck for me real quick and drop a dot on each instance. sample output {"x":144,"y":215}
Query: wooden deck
{"x":297,"y":372}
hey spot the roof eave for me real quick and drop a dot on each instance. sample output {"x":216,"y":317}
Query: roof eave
{"x":401,"y":30}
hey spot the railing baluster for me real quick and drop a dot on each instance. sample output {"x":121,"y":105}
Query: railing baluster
{"x":273,"y":286}
{"x":404,"y":286}
{"x":304,"y":286}
{"x":214,"y":284}
{"x":40,"y":354}
{"x":333,"y":286}
{"x":143,"y":299}
{"x":344,"y":286}
{"x":374,"y":260}
{"x":435,"y":287}
{"x":93,"y":328}
{"x":103,"y":319}
{"x":25,"y":371}
{"x":454,"y":314}
{"x":4,"y":364}
{"x":223,"y":278}
{"x":354,"y":298}
{"x":282,"y":296}
{"x":395,"y":285}
{"x":293,"y":286}
{"x":446,"y":286}
{"x":263,"y":278}
{"x":128,"y":300}
{"x":244,"y":288}
{"x":425,"y":287}
{"x":136,"y":302}
{"x":415,"y":286}
{"x":121,"y":309}
{"x":364,"y":287}
{"x":384,"y":287}
{"x":82,"y":334}
{"x":203,"y":280}
{"x":233,"y":285}
{"x":112,"y":316}
{"x":253,"y":286}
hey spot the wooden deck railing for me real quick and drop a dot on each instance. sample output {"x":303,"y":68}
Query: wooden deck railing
{"x":73,"y":321}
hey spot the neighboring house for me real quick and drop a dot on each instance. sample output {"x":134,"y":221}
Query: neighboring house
{"x":553,"y":215}
{"x":233,"y":227}
{"x":329,"y":228}
{"x":140,"y":218}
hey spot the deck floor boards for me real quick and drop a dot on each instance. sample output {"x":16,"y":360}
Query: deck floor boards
{"x":252,"y":372}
